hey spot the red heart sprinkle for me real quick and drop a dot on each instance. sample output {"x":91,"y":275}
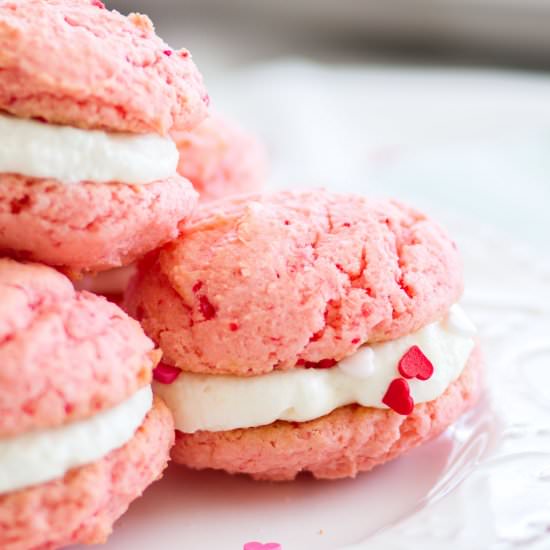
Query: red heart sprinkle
{"x":165,"y":374}
{"x":322,"y":364}
{"x":414,"y":364}
{"x":259,"y":546}
{"x":398,"y":397}
{"x":168,"y":53}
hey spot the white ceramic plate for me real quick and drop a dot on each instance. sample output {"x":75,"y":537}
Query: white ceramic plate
{"x":485,"y":483}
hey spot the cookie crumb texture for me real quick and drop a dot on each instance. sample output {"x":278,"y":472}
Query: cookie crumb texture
{"x":347,"y":441}
{"x":269,"y":282}
{"x":221,"y":159}
{"x":73,"y":62}
{"x":64,"y":355}
{"x":89,"y":226}
{"x":82,"y":507}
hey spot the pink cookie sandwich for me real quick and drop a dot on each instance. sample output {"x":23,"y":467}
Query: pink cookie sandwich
{"x":221,"y":159}
{"x":81,"y":435}
{"x":88,"y":177}
{"x":307,"y":332}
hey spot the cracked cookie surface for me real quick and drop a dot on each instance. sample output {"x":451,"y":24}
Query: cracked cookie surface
{"x":274,"y":281}
{"x":77,"y":63}
{"x":347,"y":441}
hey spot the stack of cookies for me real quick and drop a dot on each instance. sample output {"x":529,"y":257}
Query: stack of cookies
{"x":283,"y":333}
{"x":306,"y":332}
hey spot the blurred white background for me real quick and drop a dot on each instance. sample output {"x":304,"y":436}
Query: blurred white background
{"x":444,"y":103}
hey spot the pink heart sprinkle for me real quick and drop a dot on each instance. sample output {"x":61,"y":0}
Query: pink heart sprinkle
{"x":260,"y":546}
{"x":398,"y":397}
{"x":414,"y":364}
{"x":165,"y":374}
{"x":322,"y":364}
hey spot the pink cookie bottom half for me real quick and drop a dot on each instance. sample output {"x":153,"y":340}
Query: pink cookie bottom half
{"x":87,"y":226}
{"x":82,"y":506}
{"x":347,"y":441}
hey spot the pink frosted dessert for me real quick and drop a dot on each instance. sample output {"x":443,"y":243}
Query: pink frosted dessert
{"x":307,"y":332}
{"x":88,"y":177}
{"x":81,"y":435}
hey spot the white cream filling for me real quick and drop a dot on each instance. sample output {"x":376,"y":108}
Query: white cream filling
{"x":43,"y":455}
{"x":224,"y":402}
{"x":70,"y":155}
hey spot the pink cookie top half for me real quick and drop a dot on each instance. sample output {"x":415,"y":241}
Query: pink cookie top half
{"x":65,"y":355}
{"x":270,"y":282}
{"x":75,"y":62}
{"x":221,"y":159}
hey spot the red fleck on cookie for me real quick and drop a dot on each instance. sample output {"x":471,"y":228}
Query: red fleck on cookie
{"x":88,"y":97}
{"x":81,"y":435}
{"x":290,"y":315}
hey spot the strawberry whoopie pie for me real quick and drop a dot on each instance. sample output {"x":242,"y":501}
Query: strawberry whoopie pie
{"x":81,"y":435}
{"x":88,"y":172}
{"x":307,"y":332}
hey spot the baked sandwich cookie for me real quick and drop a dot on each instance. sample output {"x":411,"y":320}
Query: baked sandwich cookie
{"x":81,"y":435}
{"x":221,"y":159}
{"x":307,"y":331}
{"x":88,"y":177}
